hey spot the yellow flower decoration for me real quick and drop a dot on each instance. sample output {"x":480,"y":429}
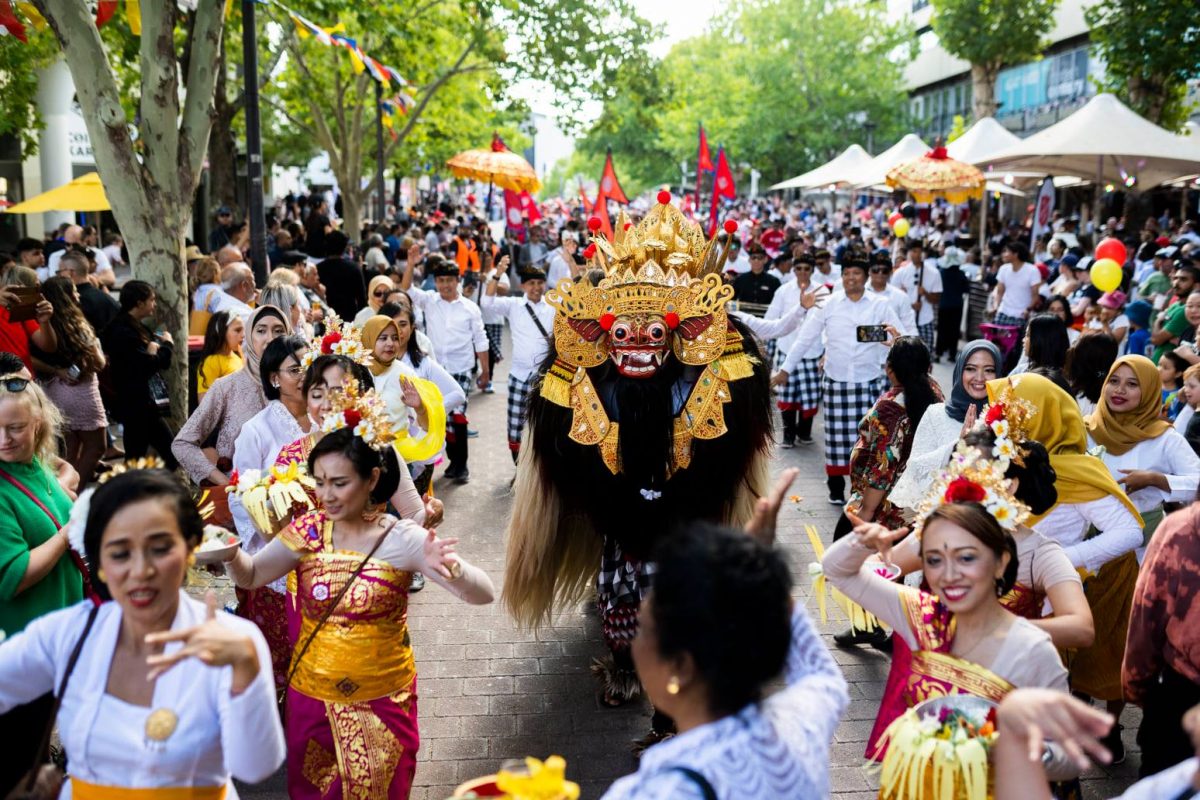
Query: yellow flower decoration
{"x":545,"y":781}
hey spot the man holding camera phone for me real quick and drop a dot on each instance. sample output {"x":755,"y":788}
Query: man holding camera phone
{"x":857,"y":327}
{"x":24,"y":318}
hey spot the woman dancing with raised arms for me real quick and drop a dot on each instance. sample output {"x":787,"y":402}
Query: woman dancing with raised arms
{"x":352,"y":672}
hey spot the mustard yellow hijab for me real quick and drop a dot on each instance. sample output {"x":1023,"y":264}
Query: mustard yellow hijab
{"x":1118,"y":432}
{"x":370,"y":334}
{"x":379,"y":280}
{"x":1058,"y":425}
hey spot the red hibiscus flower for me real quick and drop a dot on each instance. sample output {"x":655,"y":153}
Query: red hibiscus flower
{"x":962,"y":490}
{"x":352,"y":417}
{"x":329,"y":340}
{"x":233,"y":479}
{"x":995,"y":414}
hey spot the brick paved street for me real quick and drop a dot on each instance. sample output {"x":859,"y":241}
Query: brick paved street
{"x":490,"y":692}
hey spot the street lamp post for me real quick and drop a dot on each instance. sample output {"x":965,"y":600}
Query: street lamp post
{"x":381,"y":207}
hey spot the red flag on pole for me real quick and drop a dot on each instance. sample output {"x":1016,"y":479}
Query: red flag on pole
{"x":722,"y":187}
{"x":704,"y":160}
{"x":610,"y":187}
{"x":105,"y":10}
{"x":587,"y":204}
{"x":529,"y":207}
{"x":10,"y":24}
{"x":498,"y":145}
{"x":600,"y":210}
{"x":512,"y":213}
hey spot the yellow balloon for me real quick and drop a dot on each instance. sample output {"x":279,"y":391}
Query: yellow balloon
{"x":901,"y":227}
{"x":1106,"y":275}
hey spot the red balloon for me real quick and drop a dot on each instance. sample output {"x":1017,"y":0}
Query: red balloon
{"x":892,"y":219}
{"x":1111,"y":248}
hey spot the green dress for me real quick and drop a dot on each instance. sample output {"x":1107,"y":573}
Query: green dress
{"x":24,"y":526}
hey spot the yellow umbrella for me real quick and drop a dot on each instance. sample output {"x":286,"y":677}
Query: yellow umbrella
{"x":498,"y":165}
{"x":85,"y":193}
{"x":935,"y":174}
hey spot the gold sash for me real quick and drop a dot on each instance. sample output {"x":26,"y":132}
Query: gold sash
{"x":82,"y":790}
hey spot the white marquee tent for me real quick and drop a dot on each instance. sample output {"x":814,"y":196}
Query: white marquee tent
{"x":849,"y":161}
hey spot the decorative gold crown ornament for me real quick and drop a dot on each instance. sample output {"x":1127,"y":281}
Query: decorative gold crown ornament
{"x":1009,"y":419}
{"x":366,"y":414}
{"x":341,"y":338}
{"x":661,"y":295}
{"x":971,"y":477}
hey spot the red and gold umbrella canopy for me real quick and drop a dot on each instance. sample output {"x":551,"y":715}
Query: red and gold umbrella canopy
{"x":499,"y":165}
{"x":935,"y":174}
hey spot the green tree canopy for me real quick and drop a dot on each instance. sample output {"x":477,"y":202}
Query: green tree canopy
{"x":991,"y":34}
{"x":1151,"y":48}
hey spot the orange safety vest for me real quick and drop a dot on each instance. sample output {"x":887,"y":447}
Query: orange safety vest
{"x":466,"y":255}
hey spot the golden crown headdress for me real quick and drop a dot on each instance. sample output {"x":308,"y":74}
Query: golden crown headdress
{"x":1009,"y":419}
{"x":365,"y":413}
{"x":663,"y":266}
{"x":972,"y":477}
{"x":340,"y":338}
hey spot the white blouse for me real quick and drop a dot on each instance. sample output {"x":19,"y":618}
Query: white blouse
{"x":453,"y":395}
{"x":1068,"y":523}
{"x":776,"y":748}
{"x":218,"y":735}
{"x":932,"y":445}
{"x":1169,"y":454}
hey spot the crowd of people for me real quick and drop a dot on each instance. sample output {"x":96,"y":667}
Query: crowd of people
{"x":1054,"y":551}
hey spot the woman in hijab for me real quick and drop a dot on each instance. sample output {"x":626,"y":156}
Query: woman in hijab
{"x":944,"y":423}
{"x":395,"y":381}
{"x":205,"y":443}
{"x":377,"y":293}
{"x":1097,"y":524}
{"x":1144,"y":453}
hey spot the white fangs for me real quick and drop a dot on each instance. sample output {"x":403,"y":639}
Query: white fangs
{"x":638,"y":362}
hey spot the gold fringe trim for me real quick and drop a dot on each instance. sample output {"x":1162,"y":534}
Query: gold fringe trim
{"x":556,"y":384}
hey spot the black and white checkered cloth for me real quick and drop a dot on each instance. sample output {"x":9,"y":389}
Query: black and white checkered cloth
{"x":927,"y":333}
{"x":1005,"y":319}
{"x":845,"y":406}
{"x":518,"y":398}
{"x":802,"y":392}
{"x":467,"y":381}
{"x":772,"y":351}
{"x":620,"y":586}
{"x":495,"y":335}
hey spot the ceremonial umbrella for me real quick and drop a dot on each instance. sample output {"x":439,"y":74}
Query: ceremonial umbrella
{"x":85,"y":193}
{"x":936,"y":174}
{"x":499,"y":166}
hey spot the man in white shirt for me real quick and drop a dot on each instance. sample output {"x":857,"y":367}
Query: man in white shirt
{"x":455,"y":326}
{"x":74,"y":235}
{"x":531,"y":322}
{"x":854,"y":376}
{"x":923,"y":284}
{"x":881,"y":284}
{"x":826,"y":271}
{"x":1017,"y":285}
{"x":562,"y":261}
{"x":237,"y":291}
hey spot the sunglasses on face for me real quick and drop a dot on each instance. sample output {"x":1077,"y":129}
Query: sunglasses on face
{"x":381,"y":294}
{"x":14,"y":384}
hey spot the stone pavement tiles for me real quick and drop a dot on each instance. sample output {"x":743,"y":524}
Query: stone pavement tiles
{"x":490,"y":692}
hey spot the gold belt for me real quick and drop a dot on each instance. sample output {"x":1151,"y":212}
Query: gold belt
{"x":82,"y":790}
{"x":349,"y":663}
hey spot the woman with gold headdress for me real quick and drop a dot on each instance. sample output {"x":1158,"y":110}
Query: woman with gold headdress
{"x":963,"y":640}
{"x":353,"y":679}
{"x":1094,"y":521}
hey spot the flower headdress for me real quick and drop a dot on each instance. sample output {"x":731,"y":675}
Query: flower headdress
{"x":1009,"y":420}
{"x":340,"y":339}
{"x":366,"y":414}
{"x":971,"y":477}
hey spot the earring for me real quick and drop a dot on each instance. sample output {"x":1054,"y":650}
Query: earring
{"x":275,"y":384}
{"x":192,"y":560}
{"x":673,"y":685}
{"x":100,"y":575}
{"x":372,"y":513}
{"x":999,"y":587}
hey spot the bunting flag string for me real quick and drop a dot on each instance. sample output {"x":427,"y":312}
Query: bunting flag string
{"x":336,"y":37}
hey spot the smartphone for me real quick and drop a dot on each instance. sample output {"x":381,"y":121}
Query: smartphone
{"x":872,"y":333}
{"x":26,"y":306}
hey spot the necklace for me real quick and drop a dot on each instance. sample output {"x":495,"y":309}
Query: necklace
{"x":160,"y":725}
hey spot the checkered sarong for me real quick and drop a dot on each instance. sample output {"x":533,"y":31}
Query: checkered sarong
{"x":927,"y":332}
{"x":802,"y":392}
{"x":1005,"y":319}
{"x":518,"y":398}
{"x":620,"y":586}
{"x":495,"y":335}
{"x":467,"y":381}
{"x":845,"y":406}
{"x":772,"y":350}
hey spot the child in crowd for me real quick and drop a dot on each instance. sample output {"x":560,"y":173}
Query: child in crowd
{"x":1109,"y":317}
{"x":1137,"y":343}
{"x":1188,"y":421}
{"x":1170,"y":370}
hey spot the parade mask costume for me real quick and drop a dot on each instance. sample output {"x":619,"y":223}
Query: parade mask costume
{"x":652,"y":410}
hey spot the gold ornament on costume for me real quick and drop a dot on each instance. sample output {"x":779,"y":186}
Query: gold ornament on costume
{"x":365,"y":413}
{"x":971,"y":477}
{"x":1010,"y":419}
{"x":340,"y":339}
{"x":161,"y":724}
{"x":662,"y":296}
